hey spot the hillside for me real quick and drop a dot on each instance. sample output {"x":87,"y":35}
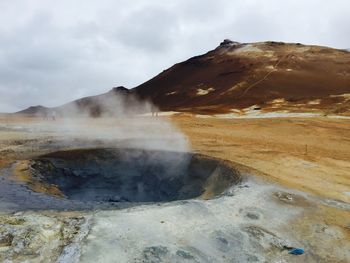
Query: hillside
{"x":268,"y":75}
{"x":241,"y":77}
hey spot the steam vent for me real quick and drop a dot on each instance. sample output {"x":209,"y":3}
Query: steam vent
{"x":92,"y":176}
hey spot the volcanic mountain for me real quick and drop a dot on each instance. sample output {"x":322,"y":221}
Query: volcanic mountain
{"x":236,"y":77}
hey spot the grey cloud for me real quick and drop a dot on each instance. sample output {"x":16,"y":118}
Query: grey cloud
{"x":151,"y":29}
{"x":54,"y":52}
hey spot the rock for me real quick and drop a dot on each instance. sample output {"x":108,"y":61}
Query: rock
{"x":155,"y":253}
{"x":5,"y":239}
{"x":291,"y":199}
{"x":228,"y":42}
{"x":252,"y":215}
{"x":120,"y":89}
{"x":266,"y":238}
{"x":284,"y":197}
{"x":35,"y":238}
{"x":184,"y":254}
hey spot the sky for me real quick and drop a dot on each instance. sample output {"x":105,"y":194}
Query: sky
{"x":52,"y":52}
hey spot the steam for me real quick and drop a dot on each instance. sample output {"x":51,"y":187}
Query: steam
{"x":116,"y":119}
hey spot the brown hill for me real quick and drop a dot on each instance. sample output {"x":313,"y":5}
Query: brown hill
{"x":269,"y":76}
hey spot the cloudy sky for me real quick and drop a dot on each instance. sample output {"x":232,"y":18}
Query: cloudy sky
{"x":52,"y":52}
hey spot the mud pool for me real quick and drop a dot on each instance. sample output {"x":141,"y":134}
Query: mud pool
{"x":102,"y":178}
{"x":132,"y":175}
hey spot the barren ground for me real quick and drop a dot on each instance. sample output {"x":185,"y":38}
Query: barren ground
{"x":310,"y":154}
{"x":304,"y":160}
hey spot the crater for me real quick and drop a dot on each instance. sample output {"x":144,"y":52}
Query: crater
{"x":131,"y":175}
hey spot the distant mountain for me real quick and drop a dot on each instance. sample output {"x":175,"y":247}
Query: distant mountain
{"x":33,"y":110}
{"x":94,"y":106}
{"x":268,"y":75}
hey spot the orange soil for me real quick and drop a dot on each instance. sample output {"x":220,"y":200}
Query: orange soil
{"x":311,"y":154}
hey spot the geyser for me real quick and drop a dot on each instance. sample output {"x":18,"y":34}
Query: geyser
{"x":132,"y":175}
